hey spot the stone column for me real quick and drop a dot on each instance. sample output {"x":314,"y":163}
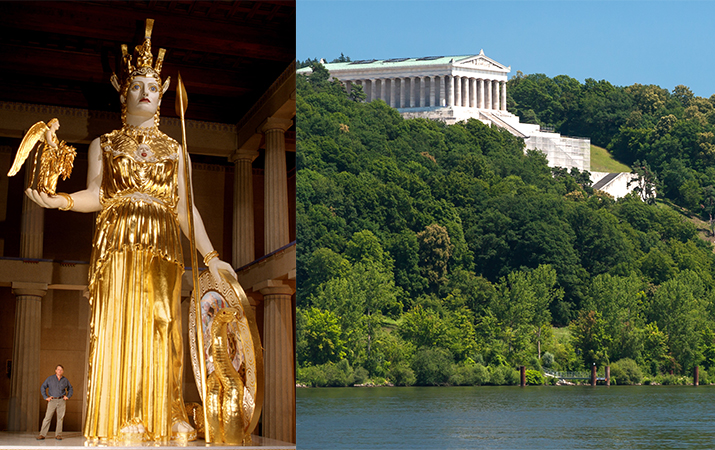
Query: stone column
{"x":393,"y":93}
{"x":32,"y":228}
{"x":412,"y":92}
{"x":480,"y":103}
{"x":373,"y":89}
{"x":450,"y":83}
{"x":466,"y":84}
{"x":24,"y":408}
{"x":276,"y":184}
{"x":495,"y":95}
{"x":422,"y":91}
{"x":443,"y":90}
{"x":488,"y":95}
{"x":243,"y":233}
{"x":432,"y":85}
{"x":348,"y":86}
{"x":503,"y":95}
{"x":403,"y":92}
{"x":457,"y":91}
{"x":279,"y":402}
{"x":473,"y":96}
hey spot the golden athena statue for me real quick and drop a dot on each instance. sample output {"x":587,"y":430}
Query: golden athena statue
{"x":136,"y":181}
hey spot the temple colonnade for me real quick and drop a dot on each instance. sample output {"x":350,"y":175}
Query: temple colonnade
{"x":434,"y":91}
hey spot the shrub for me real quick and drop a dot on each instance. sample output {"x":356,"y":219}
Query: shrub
{"x":673,"y":380}
{"x":470,"y":376}
{"x":503,"y":375}
{"x":329,"y":374}
{"x":311,"y":376}
{"x":534,"y":378}
{"x":402,"y":375}
{"x":547,"y":359}
{"x":432,"y":366}
{"x":626,"y":371}
{"x":535,"y":363}
{"x":360,"y":375}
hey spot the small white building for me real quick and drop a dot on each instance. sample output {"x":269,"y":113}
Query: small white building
{"x":452,"y":89}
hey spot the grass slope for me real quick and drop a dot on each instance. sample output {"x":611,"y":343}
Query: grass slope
{"x":602,"y":161}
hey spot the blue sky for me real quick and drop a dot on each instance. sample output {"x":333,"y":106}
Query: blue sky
{"x":666,"y":43}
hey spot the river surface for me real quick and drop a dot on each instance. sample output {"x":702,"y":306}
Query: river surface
{"x":491,"y":417}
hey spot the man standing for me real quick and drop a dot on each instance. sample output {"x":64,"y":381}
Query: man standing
{"x":59,"y":389}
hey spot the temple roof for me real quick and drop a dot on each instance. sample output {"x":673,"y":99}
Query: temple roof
{"x":479,"y":60}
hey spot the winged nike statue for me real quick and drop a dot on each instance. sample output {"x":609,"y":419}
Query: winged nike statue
{"x":57,"y":157}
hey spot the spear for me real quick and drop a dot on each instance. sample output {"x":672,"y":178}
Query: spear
{"x":182,"y":102}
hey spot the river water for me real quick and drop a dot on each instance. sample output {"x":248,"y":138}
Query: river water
{"x":509,"y":417}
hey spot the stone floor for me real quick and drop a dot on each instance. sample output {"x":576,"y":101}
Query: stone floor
{"x":75,"y":441}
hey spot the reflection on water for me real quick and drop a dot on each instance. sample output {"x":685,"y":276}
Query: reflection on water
{"x":554,"y":417}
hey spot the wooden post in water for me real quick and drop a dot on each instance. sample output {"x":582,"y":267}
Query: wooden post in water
{"x":522,"y":371}
{"x":593,"y":374}
{"x":696,"y":376}
{"x":608,"y":375}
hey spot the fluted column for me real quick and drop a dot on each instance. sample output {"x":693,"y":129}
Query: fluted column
{"x":403,"y":92}
{"x":503,"y":95}
{"x":31,"y":228}
{"x":443,"y":90}
{"x":276,"y":184}
{"x":457,"y":91}
{"x":473,"y":93}
{"x":450,"y":84}
{"x":466,"y":85}
{"x":412,"y":92}
{"x":495,"y":95}
{"x":373,"y":89}
{"x":24,"y":407}
{"x":488,"y":95}
{"x":432,"y":85}
{"x":422,"y":91}
{"x":243,"y":232}
{"x":481,"y":94}
{"x":393,"y":92}
{"x":279,"y":402}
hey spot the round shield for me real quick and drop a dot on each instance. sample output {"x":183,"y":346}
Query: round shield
{"x":244,"y":343}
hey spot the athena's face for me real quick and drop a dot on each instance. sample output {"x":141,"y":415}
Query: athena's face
{"x":143,"y":96}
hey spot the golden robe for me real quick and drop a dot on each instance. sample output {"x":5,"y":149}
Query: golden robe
{"x":135,"y":359}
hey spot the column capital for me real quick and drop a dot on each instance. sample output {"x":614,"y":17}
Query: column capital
{"x":244,"y":154}
{"x":33,"y":289}
{"x":274,"y":287}
{"x":274,"y":123}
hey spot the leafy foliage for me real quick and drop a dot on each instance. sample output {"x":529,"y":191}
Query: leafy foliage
{"x":433,"y":254}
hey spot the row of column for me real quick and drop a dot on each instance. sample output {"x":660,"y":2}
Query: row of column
{"x":427,"y":91}
{"x":278,"y":360}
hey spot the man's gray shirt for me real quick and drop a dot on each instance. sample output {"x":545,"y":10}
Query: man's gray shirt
{"x":57,"y":388}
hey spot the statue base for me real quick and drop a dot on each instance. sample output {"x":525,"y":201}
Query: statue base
{"x":22,"y":440}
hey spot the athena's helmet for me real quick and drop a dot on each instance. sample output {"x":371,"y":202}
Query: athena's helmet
{"x":142,"y":66}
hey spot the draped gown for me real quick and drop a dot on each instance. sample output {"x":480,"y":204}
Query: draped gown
{"x":135,"y":359}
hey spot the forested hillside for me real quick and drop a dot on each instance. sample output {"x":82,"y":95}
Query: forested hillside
{"x":436,"y":254}
{"x":669,"y":135}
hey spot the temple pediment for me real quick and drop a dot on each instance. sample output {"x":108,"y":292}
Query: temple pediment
{"x":480,"y":61}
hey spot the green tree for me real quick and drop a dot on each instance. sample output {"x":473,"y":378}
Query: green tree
{"x":589,"y":335}
{"x":322,"y":337}
{"x":435,"y":251}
